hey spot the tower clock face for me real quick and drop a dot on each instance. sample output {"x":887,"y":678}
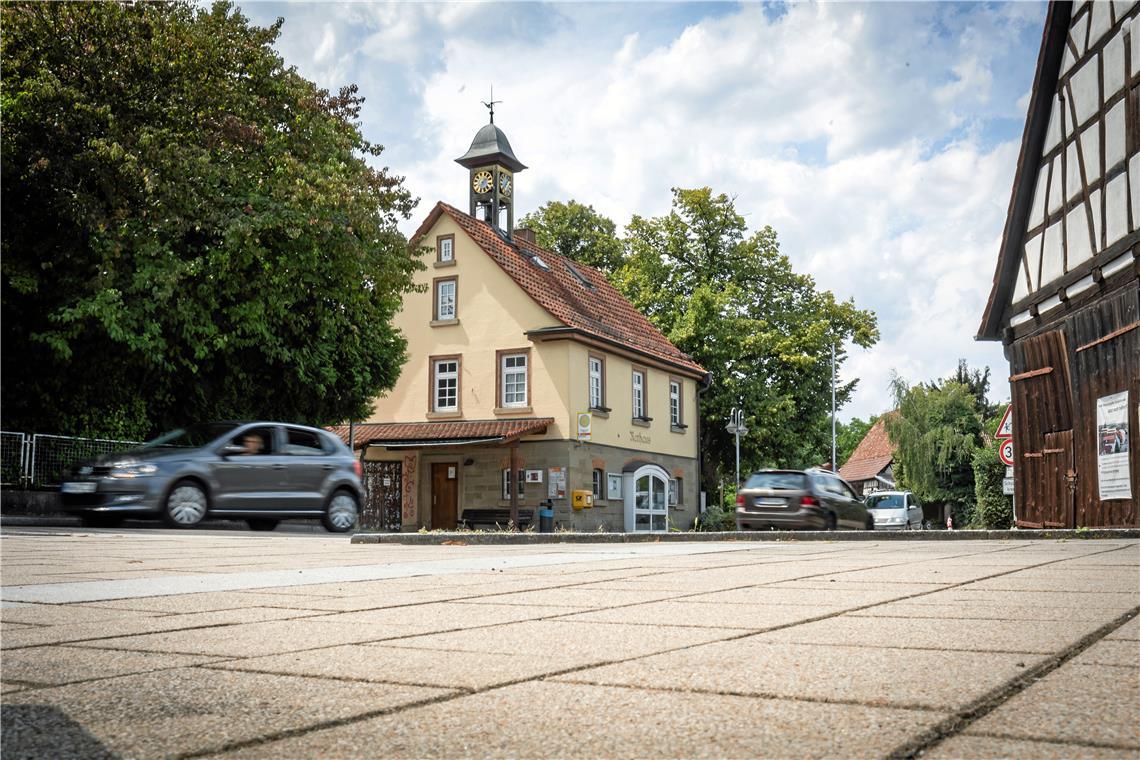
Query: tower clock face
{"x":504,"y":183}
{"x":481,"y":182}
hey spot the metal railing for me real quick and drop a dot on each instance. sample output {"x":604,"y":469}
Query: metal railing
{"x":39,"y":460}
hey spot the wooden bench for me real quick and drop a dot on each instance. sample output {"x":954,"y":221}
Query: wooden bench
{"x":494,"y":519}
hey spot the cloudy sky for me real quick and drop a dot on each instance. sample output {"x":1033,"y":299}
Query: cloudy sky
{"x":878,"y":139}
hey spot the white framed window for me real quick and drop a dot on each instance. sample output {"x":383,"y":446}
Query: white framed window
{"x":520,"y":481}
{"x":445,"y":299}
{"x":638,"y":394}
{"x":597,"y":397}
{"x":675,"y":486}
{"x":598,"y":484}
{"x":445,"y":384}
{"x":445,"y":248}
{"x":513,"y":370}
{"x":675,"y":403}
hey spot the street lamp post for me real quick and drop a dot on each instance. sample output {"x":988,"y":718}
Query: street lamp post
{"x":834,"y":464}
{"x":737,"y":427}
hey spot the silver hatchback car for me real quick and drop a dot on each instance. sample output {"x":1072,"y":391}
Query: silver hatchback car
{"x":895,"y":510}
{"x":261,"y":472}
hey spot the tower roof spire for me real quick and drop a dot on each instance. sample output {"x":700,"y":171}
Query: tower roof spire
{"x":490,"y":105}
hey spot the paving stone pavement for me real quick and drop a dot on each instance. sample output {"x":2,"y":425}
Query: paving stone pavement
{"x":155,"y":643}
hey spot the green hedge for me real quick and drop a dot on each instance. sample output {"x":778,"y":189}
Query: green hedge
{"x":994,"y":509}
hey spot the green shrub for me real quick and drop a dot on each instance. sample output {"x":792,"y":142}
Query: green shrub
{"x":994,"y":509}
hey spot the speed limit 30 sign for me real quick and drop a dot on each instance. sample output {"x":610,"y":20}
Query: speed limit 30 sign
{"x":1005,"y":451}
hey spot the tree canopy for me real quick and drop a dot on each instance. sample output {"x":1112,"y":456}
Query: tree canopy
{"x":935,"y":434}
{"x":191,"y":229}
{"x":732,"y":301}
{"x":577,"y":232}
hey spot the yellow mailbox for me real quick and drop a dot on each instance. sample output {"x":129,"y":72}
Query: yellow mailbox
{"x":581,"y":499}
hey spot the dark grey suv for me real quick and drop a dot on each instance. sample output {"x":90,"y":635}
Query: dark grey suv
{"x":259,"y":471}
{"x":799,"y":499}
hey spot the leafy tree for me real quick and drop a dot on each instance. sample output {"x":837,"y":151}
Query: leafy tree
{"x":935,"y":435}
{"x":577,"y":232}
{"x":848,"y":435}
{"x":191,"y":229}
{"x":977,"y":381}
{"x":732,"y":301}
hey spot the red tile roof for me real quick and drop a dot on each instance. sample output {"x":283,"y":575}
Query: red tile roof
{"x":873,"y":454}
{"x":442,"y":432}
{"x":599,"y":311}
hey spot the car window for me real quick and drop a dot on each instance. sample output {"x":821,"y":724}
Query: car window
{"x":256,"y":441}
{"x":885,"y":501}
{"x":838,"y":487}
{"x":848,"y":491}
{"x":302,"y":442}
{"x":191,"y":437}
{"x":776,"y":481}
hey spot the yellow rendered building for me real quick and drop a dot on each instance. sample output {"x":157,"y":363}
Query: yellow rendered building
{"x":531,"y":384}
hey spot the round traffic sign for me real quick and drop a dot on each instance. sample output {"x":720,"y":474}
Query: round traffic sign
{"x":1005,"y":451}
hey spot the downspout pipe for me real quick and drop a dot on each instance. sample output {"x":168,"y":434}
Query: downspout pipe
{"x":702,"y":387}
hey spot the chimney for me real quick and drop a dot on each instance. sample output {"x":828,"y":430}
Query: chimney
{"x":523,"y":233}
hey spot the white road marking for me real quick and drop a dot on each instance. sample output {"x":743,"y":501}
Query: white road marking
{"x":100,"y":591}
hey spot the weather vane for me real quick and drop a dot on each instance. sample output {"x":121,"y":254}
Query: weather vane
{"x":491,"y":105}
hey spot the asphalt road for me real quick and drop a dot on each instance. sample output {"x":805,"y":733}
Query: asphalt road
{"x":156,"y":643}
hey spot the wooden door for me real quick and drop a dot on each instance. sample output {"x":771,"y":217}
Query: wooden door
{"x":383,"y":496}
{"x":444,"y":495}
{"x":1043,"y":431}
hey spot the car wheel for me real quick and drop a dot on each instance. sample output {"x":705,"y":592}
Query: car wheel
{"x":98,"y":520}
{"x":262,"y":523}
{"x":340,"y":515}
{"x":185,"y":506}
{"x":829,"y":522}
{"x":870,"y":523}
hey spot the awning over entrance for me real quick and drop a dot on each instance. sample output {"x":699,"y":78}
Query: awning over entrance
{"x":449,"y":433}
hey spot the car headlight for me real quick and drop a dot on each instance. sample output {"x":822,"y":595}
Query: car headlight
{"x":133,"y":469}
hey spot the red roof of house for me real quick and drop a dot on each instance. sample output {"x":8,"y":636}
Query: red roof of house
{"x":873,"y":454}
{"x":451,"y":431}
{"x":596,"y":309}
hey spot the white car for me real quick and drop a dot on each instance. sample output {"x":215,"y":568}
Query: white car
{"x":895,"y":510}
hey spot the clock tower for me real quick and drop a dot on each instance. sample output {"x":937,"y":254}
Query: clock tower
{"x":492,"y":166}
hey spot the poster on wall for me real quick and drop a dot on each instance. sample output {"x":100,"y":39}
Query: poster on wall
{"x":556,"y":485}
{"x":1112,"y":445}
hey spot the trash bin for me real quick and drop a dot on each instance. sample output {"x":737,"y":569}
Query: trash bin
{"x":546,"y":517}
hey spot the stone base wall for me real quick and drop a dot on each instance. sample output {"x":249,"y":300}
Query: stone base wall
{"x":480,"y":474}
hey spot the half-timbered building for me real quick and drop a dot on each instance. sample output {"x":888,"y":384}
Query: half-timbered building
{"x":1065,"y":300}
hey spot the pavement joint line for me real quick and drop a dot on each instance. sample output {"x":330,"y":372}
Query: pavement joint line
{"x":987,"y":703}
{"x":1057,"y":741}
{"x":773,"y":696}
{"x":344,"y":679}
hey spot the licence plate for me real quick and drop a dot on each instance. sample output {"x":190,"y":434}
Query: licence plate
{"x":772,"y":502}
{"x":77,"y":488}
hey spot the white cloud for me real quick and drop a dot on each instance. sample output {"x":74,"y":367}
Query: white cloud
{"x":879,"y":140}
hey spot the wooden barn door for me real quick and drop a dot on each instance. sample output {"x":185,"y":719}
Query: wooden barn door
{"x":1043,"y":432}
{"x":383,"y":495}
{"x":1106,"y":338}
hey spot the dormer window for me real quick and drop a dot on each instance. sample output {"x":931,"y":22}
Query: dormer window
{"x":581,"y":278}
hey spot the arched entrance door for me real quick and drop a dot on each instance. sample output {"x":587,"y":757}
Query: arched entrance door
{"x":647,"y":500}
